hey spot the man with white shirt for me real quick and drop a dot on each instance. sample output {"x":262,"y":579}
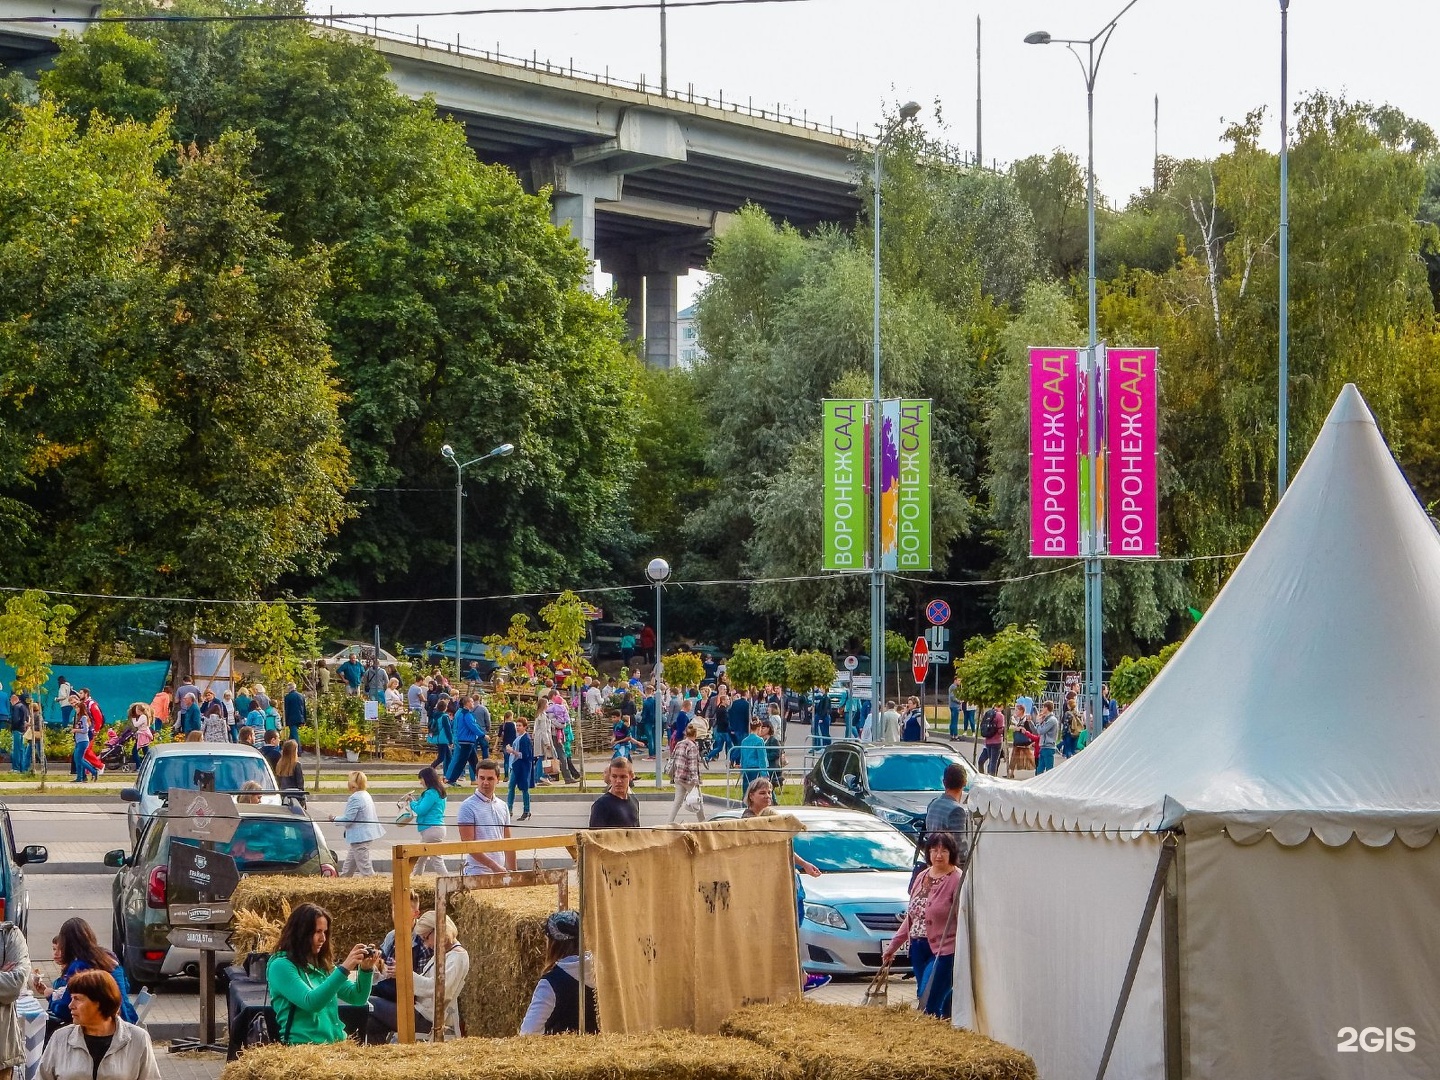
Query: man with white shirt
{"x":594,"y":700}
{"x":484,"y":817}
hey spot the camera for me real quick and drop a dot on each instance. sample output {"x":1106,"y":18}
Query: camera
{"x":370,"y":951}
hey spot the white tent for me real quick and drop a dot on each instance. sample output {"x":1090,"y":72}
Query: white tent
{"x":1289,"y":755}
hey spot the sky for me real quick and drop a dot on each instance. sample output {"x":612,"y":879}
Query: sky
{"x":1210,"y":62}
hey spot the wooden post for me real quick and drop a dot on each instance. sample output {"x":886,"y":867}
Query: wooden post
{"x":404,"y":935}
{"x":442,"y":897}
{"x":580,"y":937}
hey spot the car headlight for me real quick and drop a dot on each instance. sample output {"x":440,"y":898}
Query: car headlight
{"x":825,"y":916}
{"x":894,"y":817}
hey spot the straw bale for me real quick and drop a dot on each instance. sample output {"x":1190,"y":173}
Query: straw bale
{"x":359,"y":907}
{"x":504,"y":932}
{"x":664,"y":1055}
{"x":840,"y":1042}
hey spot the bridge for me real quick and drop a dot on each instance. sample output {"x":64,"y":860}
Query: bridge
{"x":645,"y":180}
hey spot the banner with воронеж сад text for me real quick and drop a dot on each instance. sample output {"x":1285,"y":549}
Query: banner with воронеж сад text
{"x":844,"y":519}
{"x":1132,"y":453}
{"x":912,"y":498}
{"x":1055,"y":453}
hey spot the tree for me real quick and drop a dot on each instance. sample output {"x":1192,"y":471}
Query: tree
{"x":1054,"y":189}
{"x":272,"y":636}
{"x":31,"y":629}
{"x":564,"y":619}
{"x":1008,"y":665}
{"x":808,"y":670}
{"x":1132,"y":676}
{"x":746,"y":668}
{"x":683,"y":669}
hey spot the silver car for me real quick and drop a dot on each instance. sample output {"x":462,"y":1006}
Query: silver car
{"x":175,"y":765}
{"x":854,"y":907}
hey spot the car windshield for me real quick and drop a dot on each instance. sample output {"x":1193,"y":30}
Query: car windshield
{"x":907,"y":772}
{"x":857,"y":846}
{"x":264,"y":843}
{"x":230,"y":771}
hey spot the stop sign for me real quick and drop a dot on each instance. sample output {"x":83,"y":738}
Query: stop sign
{"x":920,"y":660}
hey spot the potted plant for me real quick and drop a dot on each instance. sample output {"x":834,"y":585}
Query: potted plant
{"x":352,"y":741}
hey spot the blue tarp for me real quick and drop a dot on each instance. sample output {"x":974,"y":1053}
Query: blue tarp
{"x":115,"y":687}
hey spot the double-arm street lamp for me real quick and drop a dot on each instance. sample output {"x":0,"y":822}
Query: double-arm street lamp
{"x":448,"y":453}
{"x":908,"y":111}
{"x":1091,"y":541}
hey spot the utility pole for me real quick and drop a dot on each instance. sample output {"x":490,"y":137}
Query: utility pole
{"x":1155,"y":183}
{"x":664,"y":55}
{"x":978,"y":159}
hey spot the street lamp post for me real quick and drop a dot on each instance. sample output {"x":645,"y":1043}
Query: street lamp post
{"x":1284,"y":405}
{"x":448,"y":453}
{"x":658,"y":571}
{"x":908,"y":111}
{"x":1092,"y":543}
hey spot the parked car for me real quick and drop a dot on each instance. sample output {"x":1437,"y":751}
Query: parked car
{"x":472,"y":650}
{"x":270,"y":840}
{"x":606,"y":637}
{"x":337,"y":652}
{"x":14,"y":893}
{"x":856,"y":904}
{"x":894,"y":782}
{"x":174,"y":765}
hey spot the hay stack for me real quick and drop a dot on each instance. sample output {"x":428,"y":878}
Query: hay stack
{"x":359,"y":907}
{"x":839,"y":1042}
{"x":658,"y":1056}
{"x":504,"y":932}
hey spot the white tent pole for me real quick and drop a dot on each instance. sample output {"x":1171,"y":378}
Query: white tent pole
{"x":1157,"y":889}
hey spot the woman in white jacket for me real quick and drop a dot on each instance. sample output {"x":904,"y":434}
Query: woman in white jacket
{"x":457,"y":969}
{"x":362,"y":827}
{"x":98,"y":1045}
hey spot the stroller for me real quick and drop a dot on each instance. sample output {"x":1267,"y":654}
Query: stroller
{"x":118,"y":744}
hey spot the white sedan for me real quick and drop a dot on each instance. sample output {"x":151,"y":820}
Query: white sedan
{"x":855,"y":906}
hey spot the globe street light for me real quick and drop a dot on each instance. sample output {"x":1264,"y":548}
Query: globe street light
{"x":908,"y":111}
{"x":448,"y":453}
{"x":1091,"y":542}
{"x":658,"y":572}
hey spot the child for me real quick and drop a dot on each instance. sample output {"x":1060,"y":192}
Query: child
{"x":624,"y":744}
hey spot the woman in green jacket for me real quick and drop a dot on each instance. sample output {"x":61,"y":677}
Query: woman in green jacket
{"x":306,"y":986}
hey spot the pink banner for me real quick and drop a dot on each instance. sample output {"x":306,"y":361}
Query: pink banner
{"x":1132,"y":442}
{"x":1055,"y":433}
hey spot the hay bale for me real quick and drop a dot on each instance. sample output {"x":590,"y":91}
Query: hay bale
{"x":504,"y":932}
{"x":359,"y":907}
{"x":659,"y":1056}
{"x":839,"y":1042}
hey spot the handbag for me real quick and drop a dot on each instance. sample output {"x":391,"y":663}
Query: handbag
{"x":878,"y":992}
{"x":692,"y":800}
{"x":406,"y":815}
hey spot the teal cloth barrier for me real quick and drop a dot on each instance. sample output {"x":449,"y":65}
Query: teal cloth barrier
{"x":115,"y":687}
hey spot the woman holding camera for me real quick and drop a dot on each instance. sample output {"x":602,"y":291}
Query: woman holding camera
{"x":305,"y":984}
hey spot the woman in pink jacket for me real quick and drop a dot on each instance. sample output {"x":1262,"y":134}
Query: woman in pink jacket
{"x":929,"y":926}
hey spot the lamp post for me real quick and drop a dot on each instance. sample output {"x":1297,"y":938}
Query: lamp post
{"x":1092,"y":541}
{"x":658,"y":572}
{"x":448,"y":453}
{"x":908,"y":111}
{"x":1284,"y":406}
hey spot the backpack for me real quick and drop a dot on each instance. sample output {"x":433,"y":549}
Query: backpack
{"x":1075,"y":725}
{"x":990,"y":725}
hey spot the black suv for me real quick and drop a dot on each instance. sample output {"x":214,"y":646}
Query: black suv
{"x":895,"y":782}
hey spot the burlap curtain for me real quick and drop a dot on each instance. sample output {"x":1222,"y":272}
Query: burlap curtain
{"x":686,"y":924}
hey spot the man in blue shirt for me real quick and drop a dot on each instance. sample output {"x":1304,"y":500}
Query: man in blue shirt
{"x":467,"y":734}
{"x":190,"y":716}
{"x":294,"y":703}
{"x":352,"y":673}
{"x":647,"y":720}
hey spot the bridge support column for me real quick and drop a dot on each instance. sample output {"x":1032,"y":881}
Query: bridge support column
{"x":662,"y":305}
{"x":577,"y":212}
{"x":630,"y":287}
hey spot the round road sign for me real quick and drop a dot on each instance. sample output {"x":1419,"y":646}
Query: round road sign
{"x":938,"y":612}
{"x":851,"y":663}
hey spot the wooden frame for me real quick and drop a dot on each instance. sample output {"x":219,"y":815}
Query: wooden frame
{"x":403,"y":859}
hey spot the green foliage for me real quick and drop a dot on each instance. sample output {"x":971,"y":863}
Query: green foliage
{"x":1131,"y":676}
{"x":1054,"y":190}
{"x":997,"y":671}
{"x":746,"y":669}
{"x":805,"y":671}
{"x":520,"y":645}
{"x":274,"y":637}
{"x":565,"y":622}
{"x":31,"y":628}
{"x":777,"y":664}
{"x":1062,"y":656}
{"x":683,"y":669}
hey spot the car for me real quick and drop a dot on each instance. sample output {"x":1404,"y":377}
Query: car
{"x":14,"y":893}
{"x":269,"y":840}
{"x":337,"y":652}
{"x":472,"y":650}
{"x":606,"y":638}
{"x":895,"y":782}
{"x":174,"y":765}
{"x":854,"y":907}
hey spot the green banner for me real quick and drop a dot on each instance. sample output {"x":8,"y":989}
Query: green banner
{"x":845,"y":521}
{"x":913,"y":504}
